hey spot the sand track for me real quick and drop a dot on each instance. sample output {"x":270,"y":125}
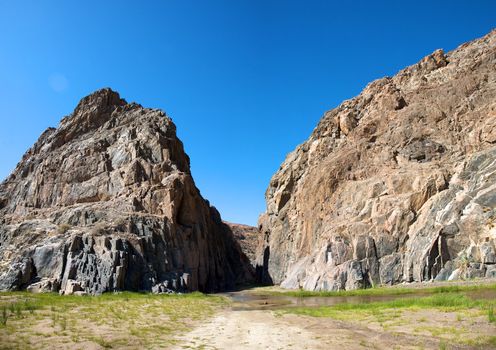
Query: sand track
{"x":264,"y":329}
{"x":250,"y":330}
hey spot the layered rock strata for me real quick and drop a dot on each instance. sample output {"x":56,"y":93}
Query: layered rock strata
{"x":397,"y":184}
{"x":106,"y":202}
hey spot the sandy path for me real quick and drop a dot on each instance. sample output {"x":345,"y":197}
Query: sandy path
{"x":263,"y":329}
{"x":250,"y":330}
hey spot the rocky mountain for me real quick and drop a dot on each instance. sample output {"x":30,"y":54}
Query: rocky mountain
{"x":396,"y":184}
{"x":106,"y":202}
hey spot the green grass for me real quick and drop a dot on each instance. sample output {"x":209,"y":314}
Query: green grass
{"x":490,"y":314}
{"x":481,"y":342}
{"x":379,"y":291}
{"x":444,"y":302}
{"x":391,"y":314}
{"x":111,"y":320}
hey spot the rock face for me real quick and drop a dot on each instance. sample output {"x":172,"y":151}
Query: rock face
{"x":396,"y":184}
{"x":106,"y":202}
{"x":248,"y":239}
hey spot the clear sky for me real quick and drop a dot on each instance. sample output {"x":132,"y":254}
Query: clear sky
{"x":245,"y":81}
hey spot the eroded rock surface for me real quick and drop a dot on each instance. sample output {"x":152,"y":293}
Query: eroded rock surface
{"x":248,"y":239}
{"x":396,"y":184}
{"x":106,"y":202}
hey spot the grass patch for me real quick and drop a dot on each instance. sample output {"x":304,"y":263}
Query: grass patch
{"x":401,"y":312}
{"x":444,"y":302}
{"x":379,"y":291}
{"x":111,"y":320}
{"x":482,"y":341}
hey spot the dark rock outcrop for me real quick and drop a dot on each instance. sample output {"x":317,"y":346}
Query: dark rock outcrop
{"x":106,"y":202}
{"x":396,"y":184}
{"x":248,"y":239}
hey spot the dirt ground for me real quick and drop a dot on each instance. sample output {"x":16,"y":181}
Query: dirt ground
{"x":265,"y":329}
{"x":254,"y":323}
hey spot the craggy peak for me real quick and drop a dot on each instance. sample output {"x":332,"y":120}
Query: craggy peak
{"x":106,"y":202}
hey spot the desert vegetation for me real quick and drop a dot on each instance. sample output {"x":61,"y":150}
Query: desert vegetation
{"x":452,"y":316}
{"x":114,"y":320}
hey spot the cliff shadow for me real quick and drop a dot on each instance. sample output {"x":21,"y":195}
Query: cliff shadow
{"x":262,"y":271}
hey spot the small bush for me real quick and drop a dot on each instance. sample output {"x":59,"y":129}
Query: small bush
{"x":55,"y":319}
{"x":63,"y":228}
{"x":102,"y":342}
{"x":18,"y":310}
{"x":3,"y":319}
{"x":29,"y":306}
{"x":490,"y":315}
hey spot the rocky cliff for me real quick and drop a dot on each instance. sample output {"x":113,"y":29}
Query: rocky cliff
{"x":106,"y":202}
{"x":396,"y":184}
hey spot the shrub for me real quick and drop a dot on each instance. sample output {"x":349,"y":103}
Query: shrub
{"x":18,"y":310}
{"x":63,"y":228}
{"x":3,"y":319}
{"x":490,"y":315}
{"x":29,"y":306}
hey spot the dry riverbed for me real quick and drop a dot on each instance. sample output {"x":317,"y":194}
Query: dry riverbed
{"x":446,"y":316}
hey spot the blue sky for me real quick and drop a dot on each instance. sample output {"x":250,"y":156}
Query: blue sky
{"x":245,"y":81}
